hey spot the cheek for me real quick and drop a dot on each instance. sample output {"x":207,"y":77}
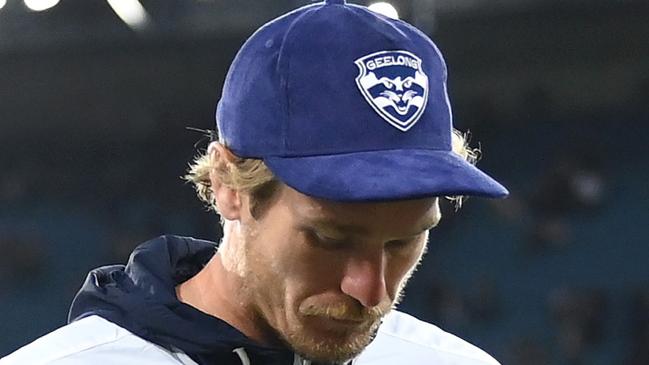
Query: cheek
{"x":272,"y":276}
{"x":311,"y":271}
{"x":293,"y":267}
{"x":320,"y":267}
{"x":269,"y":261}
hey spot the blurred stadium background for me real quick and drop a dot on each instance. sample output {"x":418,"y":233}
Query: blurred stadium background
{"x":95,"y":97}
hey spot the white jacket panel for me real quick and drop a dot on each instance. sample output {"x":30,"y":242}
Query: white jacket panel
{"x":93,"y":341}
{"x":402,"y":339}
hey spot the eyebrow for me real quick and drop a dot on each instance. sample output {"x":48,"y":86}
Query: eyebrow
{"x":329,"y":224}
{"x":333,"y":225}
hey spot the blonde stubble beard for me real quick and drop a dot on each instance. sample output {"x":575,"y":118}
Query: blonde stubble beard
{"x":335,"y":351}
{"x":235,"y":259}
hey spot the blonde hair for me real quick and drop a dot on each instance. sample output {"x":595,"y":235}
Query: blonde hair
{"x":253,"y":177}
{"x":460,"y":145}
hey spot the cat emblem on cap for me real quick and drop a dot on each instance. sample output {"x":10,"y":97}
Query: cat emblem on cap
{"x":395,"y":85}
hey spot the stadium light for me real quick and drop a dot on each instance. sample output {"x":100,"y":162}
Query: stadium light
{"x":131,"y":12}
{"x":385,"y":9}
{"x":40,"y":5}
{"x":3,"y":3}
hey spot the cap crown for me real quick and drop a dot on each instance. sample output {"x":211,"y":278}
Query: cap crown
{"x":334,"y":78}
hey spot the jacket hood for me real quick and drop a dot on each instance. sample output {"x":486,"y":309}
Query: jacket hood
{"x":140,"y":296}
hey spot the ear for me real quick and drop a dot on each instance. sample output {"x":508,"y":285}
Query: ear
{"x":227,"y":200}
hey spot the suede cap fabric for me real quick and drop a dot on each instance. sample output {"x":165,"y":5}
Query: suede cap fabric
{"x":346,"y":104}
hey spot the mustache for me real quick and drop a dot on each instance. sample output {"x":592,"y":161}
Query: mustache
{"x":346,"y":311}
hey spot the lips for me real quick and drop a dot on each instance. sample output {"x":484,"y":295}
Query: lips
{"x":350,"y":322}
{"x":328,"y":323}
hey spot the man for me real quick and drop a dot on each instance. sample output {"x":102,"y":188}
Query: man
{"x":335,"y":144}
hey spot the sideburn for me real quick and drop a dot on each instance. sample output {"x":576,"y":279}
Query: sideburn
{"x":262,"y":197}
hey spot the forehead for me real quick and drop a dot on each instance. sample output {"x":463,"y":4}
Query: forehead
{"x":394,"y":218}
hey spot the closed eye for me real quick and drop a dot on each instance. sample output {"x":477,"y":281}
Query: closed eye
{"x":320,"y":240}
{"x":403,"y":244}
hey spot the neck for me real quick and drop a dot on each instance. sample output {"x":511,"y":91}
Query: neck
{"x":217,"y":291}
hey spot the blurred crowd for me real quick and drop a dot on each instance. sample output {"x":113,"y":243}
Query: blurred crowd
{"x":94,"y":146}
{"x":82,"y":207}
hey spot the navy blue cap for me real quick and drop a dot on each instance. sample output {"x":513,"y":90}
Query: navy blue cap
{"x":346,"y":104}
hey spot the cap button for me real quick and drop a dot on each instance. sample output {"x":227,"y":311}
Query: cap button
{"x":330,"y":2}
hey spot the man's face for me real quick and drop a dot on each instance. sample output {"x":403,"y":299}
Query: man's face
{"x":321,"y":274}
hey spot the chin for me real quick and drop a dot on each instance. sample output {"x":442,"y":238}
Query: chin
{"x":337,"y":342}
{"x":328,"y":352}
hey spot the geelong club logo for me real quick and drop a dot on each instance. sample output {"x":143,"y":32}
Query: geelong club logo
{"x":395,"y":85}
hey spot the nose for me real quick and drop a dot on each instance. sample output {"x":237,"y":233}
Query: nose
{"x":364,"y":279}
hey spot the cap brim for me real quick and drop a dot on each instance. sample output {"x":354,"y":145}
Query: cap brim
{"x":384,"y":175}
